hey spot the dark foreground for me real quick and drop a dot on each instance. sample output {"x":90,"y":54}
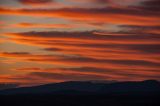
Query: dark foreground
{"x":143,"y":93}
{"x":79,"y":100}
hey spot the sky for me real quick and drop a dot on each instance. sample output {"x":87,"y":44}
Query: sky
{"x":48,"y":41}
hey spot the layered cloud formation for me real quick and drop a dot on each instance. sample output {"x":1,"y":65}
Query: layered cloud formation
{"x":103,"y":40}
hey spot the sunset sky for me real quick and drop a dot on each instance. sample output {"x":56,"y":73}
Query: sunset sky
{"x":47,"y":41}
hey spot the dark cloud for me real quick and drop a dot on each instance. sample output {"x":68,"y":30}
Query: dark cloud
{"x":151,"y":5}
{"x":67,"y":77}
{"x":140,"y":28}
{"x":86,"y":35}
{"x":101,"y":1}
{"x":152,"y":48}
{"x":16,"y":53}
{"x":34,"y":2}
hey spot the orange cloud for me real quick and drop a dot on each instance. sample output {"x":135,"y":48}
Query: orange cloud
{"x":122,"y":16}
{"x":131,"y":53}
{"x":34,"y":25}
{"x":127,"y":46}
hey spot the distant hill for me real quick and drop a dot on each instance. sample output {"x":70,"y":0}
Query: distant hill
{"x":147,"y":87}
{"x":8,"y":86}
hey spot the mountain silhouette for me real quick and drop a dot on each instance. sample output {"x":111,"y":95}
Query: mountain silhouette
{"x":89,"y":88}
{"x":8,"y":86}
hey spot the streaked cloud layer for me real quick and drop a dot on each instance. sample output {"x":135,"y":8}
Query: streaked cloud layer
{"x":63,"y":40}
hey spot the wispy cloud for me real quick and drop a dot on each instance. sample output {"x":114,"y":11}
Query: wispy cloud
{"x":81,"y":40}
